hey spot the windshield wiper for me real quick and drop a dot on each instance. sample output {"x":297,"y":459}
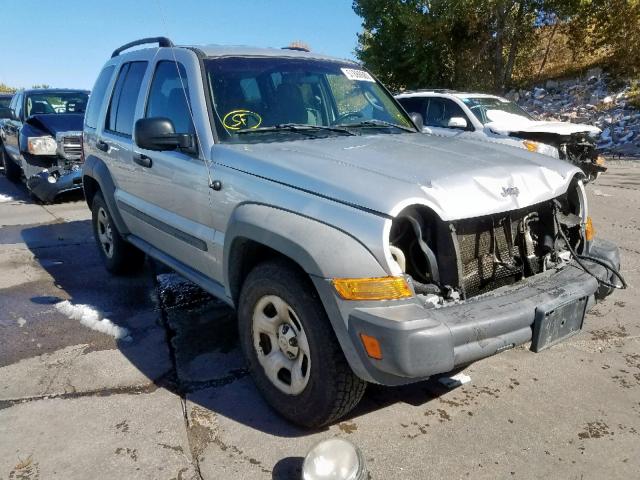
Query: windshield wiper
{"x":376,"y":124}
{"x":295,"y":127}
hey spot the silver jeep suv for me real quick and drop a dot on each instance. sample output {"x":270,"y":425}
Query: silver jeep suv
{"x":353,"y":248}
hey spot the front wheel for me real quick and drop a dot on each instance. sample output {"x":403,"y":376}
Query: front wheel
{"x":11,"y":170}
{"x":291,"y":349}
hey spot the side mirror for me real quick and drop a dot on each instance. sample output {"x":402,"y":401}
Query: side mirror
{"x":159,"y":134}
{"x":417,"y":119}
{"x":457,"y":122}
{"x":6,"y":112}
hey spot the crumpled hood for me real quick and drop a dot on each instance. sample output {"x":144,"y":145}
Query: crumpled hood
{"x":456,"y":178}
{"x":516,"y":123}
{"x":53,"y":123}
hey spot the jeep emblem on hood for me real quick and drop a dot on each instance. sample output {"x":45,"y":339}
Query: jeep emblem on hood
{"x":513,"y":191}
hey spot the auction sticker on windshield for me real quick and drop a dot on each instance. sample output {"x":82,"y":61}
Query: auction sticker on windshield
{"x":241,"y":120}
{"x":361,"y":75}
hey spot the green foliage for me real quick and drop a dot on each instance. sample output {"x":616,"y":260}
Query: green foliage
{"x":41,"y":85}
{"x":491,"y":44}
{"x":6,"y":88}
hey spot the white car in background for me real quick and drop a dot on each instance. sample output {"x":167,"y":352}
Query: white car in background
{"x":496,"y":119}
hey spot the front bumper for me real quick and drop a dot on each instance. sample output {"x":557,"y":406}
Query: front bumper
{"x":65,"y":181}
{"x":419,"y":342}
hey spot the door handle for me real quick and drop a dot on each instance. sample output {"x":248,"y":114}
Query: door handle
{"x":104,"y":146}
{"x":142,"y":160}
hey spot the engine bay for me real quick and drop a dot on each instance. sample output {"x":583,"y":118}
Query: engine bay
{"x":460,"y":259}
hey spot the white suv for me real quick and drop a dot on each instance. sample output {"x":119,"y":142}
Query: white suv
{"x":496,"y":119}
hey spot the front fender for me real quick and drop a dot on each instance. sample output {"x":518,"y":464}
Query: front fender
{"x":319,"y":249}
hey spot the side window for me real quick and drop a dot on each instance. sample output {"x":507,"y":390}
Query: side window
{"x":125,"y":96}
{"x":19,"y":105}
{"x":97,"y":97}
{"x":441,"y":110}
{"x":168,"y":96}
{"x":414,"y":105}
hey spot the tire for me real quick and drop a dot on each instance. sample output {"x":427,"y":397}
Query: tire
{"x":11,"y":170}
{"x":313,"y":397}
{"x":118,"y":255}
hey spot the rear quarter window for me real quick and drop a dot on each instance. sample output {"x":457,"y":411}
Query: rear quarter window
{"x":97,"y":97}
{"x":125,"y":96}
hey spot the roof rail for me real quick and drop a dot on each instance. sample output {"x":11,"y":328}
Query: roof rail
{"x":161,"y":41}
{"x":297,"y":48}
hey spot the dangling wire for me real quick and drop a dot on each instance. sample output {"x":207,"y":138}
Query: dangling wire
{"x":578,"y":258}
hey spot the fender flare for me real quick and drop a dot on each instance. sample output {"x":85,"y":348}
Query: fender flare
{"x":319,"y":249}
{"x":97,"y":170}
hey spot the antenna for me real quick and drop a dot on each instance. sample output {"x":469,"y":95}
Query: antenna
{"x":184,"y":91}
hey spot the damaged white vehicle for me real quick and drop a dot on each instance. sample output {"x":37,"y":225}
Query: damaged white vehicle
{"x":354,"y":248}
{"x":496,"y":119}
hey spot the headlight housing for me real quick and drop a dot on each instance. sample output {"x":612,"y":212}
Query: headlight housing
{"x":334,"y":459}
{"x":542,"y":148}
{"x":42,"y":145}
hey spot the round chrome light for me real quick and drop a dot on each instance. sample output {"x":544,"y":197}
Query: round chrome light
{"x":334,"y":459}
{"x":52,"y":179}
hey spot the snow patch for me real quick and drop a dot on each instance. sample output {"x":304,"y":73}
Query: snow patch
{"x":92,"y":318}
{"x":5,"y":198}
{"x":21,"y":322}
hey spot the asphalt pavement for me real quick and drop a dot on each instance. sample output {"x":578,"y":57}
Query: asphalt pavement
{"x":172,"y":399}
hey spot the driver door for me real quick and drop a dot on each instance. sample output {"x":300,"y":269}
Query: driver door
{"x":173,"y":193}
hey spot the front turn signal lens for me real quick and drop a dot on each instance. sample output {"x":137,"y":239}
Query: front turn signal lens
{"x":531,"y":146}
{"x":600,"y":160}
{"x":383,"y":288}
{"x":371,"y":346}
{"x":589,"y":230}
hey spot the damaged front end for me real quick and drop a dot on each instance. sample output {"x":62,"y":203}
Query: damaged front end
{"x":578,"y":148}
{"x":52,"y":157}
{"x":457,"y":260}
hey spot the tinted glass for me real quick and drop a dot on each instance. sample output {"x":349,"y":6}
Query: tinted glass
{"x":440,"y":111}
{"x":415,"y":104}
{"x":97,"y":96}
{"x":5,"y":101}
{"x":19,"y":105}
{"x":125,"y":97}
{"x":268,"y":93}
{"x":56,"y":102}
{"x":168,"y":96}
{"x":493,"y":109}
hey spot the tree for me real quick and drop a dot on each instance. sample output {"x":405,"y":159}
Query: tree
{"x":6,"y":88}
{"x":485,"y":44}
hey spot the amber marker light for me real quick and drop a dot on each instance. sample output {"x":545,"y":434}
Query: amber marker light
{"x":589,"y":230}
{"x":531,"y":146}
{"x":371,"y":346}
{"x":383,"y":288}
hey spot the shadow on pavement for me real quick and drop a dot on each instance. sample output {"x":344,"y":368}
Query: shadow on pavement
{"x":208,"y":367}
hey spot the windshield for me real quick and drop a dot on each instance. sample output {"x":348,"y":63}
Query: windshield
{"x":274,"y":99}
{"x":5,"y":101}
{"x":493,"y":109}
{"x":56,"y":102}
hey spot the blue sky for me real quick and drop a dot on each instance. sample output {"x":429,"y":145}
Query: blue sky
{"x":64,"y":43}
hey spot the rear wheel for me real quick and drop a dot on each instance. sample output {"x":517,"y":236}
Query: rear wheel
{"x":11,"y":170}
{"x":118,"y":255}
{"x":291,"y":349}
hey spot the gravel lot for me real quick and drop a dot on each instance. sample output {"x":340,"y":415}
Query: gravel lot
{"x":174,"y":401}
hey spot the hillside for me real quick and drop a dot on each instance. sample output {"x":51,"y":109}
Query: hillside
{"x":596,"y":99}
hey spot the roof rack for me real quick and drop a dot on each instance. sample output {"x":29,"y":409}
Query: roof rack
{"x":434,"y":90}
{"x":161,"y":41}
{"x":296,"y":48}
